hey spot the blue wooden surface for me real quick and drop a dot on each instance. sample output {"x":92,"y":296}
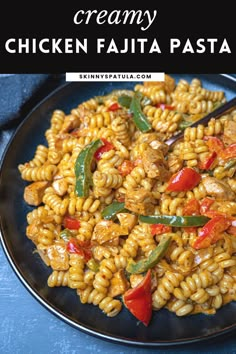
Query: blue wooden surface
{"x":26,"y":327}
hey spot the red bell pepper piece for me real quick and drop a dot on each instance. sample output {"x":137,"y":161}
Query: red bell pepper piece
{"x":206,"y":211}
{"x":83,"y":248}
{"x":212,"y":232}
{"x":214,"y":143}
{"x":164,"y":106}
{"x":228,"y":153}
{"x":158,"y":229}
{"x":184,"y":180}
{"x":205,"y":205}
{"x":192,"y":207}
{"x":215,"y":146}
{"x":207,"y":163}
{"x":139,"y":300}
{"x":120,"y":199}
{"x":71,"y":223}
{"x":107,"y":146}
{"x":213,"y":213}
{"x":125,"y":168}
{"x":113,"y":107}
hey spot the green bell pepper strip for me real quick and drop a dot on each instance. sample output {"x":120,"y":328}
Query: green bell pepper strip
{"x":139,"y":118}
{"x":83,"y":172}
{"x":178,"y":221}
{"x":66,"y":235}
{"x":154,"y":257}
{"x":184,"y":124}
{"x":109,"y":213}
{"x":125,"y":101}
{"x":229,"y":164}
{"x":93,"y":265}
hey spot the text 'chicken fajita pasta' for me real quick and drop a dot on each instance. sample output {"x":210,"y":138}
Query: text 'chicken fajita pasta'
{"x":123,"y":218}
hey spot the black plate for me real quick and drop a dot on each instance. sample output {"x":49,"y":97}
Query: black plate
{"x":165,"y":328}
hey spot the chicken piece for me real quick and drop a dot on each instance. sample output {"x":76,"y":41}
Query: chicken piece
{"x":175,"y":163}
{"x":119,"y":284}
{"x":155,"y":140}
{"x":71,"y":122}
{"x":218,"y":189}
{"x":229,"y":136}
{"x":60,"y":186}
{"x":127,"y":220}
{"x":155,"y":164}
{"x":158,"y":145}
{"x":112,"y":245}
{"x":58,"y":256}
{"x":42,"y":252}
{"x":33,"y":193}
{"x":140,"y":201}
{"x":106,"y":230}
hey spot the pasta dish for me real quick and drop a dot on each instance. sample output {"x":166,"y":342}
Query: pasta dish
{"x":128,"y":221}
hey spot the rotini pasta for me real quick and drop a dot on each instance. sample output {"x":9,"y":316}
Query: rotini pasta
{"x":137,"y":206}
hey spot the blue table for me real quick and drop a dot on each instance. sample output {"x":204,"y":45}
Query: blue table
{"x":26,"y":327}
